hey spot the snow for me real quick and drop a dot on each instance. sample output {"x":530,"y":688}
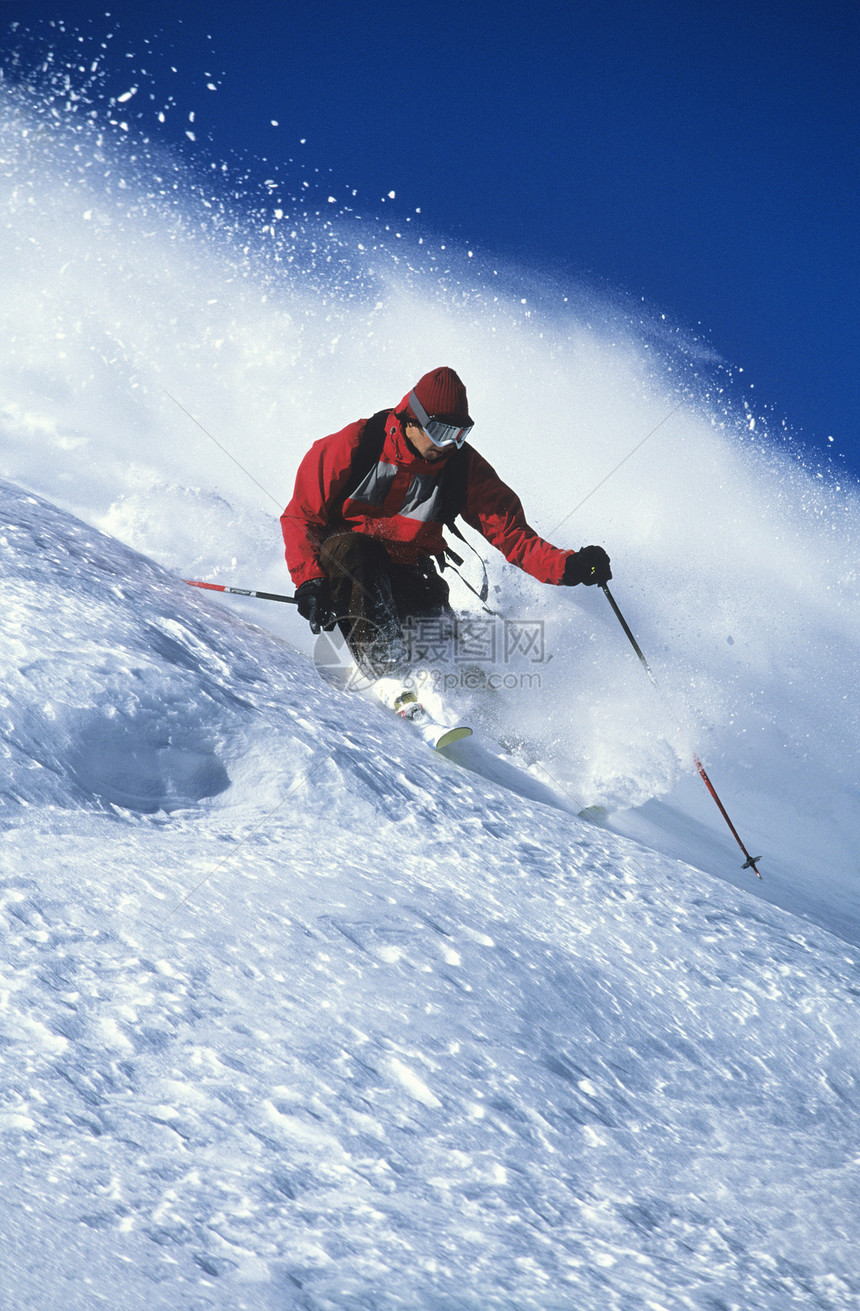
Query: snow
{"x":296,"y":1013}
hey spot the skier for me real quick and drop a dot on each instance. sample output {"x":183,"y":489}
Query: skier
{"x":366,"y":518}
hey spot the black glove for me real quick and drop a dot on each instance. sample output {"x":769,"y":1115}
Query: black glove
{"x":589,"y":565}
{"x":315,"y":604}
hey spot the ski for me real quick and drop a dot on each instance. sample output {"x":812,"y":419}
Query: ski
{"x":438,"y":736}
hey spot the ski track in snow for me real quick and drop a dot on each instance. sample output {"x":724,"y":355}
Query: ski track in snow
{"x":414,"y":1042}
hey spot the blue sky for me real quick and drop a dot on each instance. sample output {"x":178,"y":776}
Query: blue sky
{"x":702,"y":156}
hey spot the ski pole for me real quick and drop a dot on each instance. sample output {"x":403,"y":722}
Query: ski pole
{"x":751,"y":861}
{"x":242,"y":591}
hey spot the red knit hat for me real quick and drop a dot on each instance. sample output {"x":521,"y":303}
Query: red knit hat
{"x":443,"y":395}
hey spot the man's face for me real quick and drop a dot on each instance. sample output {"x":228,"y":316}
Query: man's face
{"x":427,"y":449}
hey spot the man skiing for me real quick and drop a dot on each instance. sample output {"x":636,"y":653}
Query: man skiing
{"x":367,"y":515}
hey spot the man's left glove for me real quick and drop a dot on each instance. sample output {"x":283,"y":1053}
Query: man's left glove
{"x":588,"y":565}
{"x":315,"y":604}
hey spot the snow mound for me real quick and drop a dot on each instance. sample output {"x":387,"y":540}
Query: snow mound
{"x":102,"y":705}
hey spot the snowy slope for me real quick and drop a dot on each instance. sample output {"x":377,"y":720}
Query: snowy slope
{"x":295,"y":1014}
{"x":412,"y":1041}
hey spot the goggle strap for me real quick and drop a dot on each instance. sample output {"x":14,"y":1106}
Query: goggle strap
{"x":425,"y":419}
{"x":418,"y":410}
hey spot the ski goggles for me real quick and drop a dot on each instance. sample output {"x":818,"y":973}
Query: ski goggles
{"x":440,"y":431}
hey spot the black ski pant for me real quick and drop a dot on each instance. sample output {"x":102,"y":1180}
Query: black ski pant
{"x":381,"y":603}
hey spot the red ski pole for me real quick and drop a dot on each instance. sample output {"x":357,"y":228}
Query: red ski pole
{"x":242,"y":591}
{"x":751,"y":861}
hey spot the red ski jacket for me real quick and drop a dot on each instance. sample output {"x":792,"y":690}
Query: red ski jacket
{"x":401,"y":502}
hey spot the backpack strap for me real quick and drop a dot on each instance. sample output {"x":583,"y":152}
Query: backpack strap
{"x":454,"y":501}
{"x":366,"y":454}
{"x":455,"y":487}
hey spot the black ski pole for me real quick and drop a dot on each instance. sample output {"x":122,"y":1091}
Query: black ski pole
{"x":242,"y":591}
{"x":751,"y":861}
